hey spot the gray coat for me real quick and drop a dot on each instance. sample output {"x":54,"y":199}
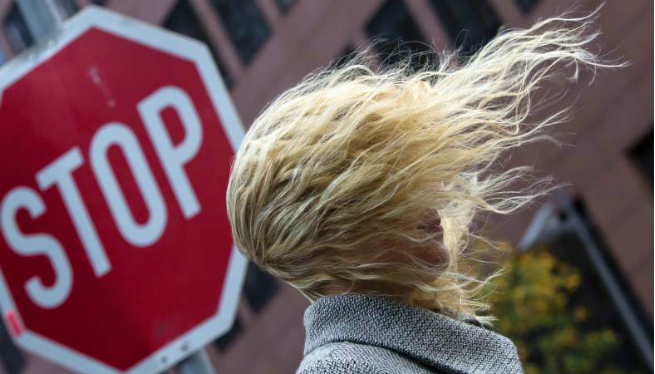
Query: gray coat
{"x":359,"y":334}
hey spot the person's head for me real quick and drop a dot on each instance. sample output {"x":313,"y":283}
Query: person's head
{"x":367,"y":180}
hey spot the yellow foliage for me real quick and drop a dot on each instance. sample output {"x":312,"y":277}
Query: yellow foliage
{"x":533,"y":303}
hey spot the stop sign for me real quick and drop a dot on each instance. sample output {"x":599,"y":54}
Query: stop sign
{"x":115,"y":252}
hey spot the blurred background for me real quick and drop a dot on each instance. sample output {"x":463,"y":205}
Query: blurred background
{"x":579,"y":294}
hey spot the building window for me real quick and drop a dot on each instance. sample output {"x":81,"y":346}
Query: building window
{"x":16,"y":31}
{"x":12,"y":358}
{"x":526,"y":5}
{"x":258,"y":288}
{"x":285,"y":5}
{"x":395,"y":34}
{"x":224,"y":342}
{"x":183,"y":20}
{"x":344,"y":57}
{"x":642,"y":156}
{"x":569,"y":233}
{"x":470,"y":24}
{"x":245,"y":25}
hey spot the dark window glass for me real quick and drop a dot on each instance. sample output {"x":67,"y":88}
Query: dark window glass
{"x":396,"y":34}
{"x":16,"y":31}
{"x":642,"y":155}
{"x":183,"y":19}
{"x":259,"y":287}
{"x":344,"y":57}
{"x":226,"y":340}
{"x":285,"y":5}
{"x":245,"y":25}
{"x":12,"y":359}
{"x":609,"y":257}
{"x":526,"y":5}
{"x":579,"y":258}
{"x":470,"y":24}
{"x":571,"y":243}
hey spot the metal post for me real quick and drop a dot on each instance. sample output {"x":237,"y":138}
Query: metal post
{"x":629,"y":317}
{"x":42,"y":17}
{"x":541,"y":227}
{"x":197,"y":363}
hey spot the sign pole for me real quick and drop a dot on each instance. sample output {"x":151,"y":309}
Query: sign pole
{"x":42,"y":17}
{"x":197,"y":363}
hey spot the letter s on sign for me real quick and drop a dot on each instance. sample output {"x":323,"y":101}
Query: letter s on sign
{"x":36,"y":244}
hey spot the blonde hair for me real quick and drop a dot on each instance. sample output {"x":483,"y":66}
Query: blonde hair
{"x":367,"y":180}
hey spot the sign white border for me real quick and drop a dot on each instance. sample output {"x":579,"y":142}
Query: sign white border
{"x":184,"y":48}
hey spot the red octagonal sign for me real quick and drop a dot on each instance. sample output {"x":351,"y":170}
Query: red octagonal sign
{"x":115,"y":252}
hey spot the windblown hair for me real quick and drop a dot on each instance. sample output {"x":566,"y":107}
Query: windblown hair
{"x":367,"y":180}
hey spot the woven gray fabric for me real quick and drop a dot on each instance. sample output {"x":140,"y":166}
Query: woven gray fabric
{"x":366,"y":334}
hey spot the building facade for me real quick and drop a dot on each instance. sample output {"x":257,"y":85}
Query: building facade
{"x":263,"y":47}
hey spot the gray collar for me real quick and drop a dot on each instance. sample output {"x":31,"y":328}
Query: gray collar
{"x":443,"y":343}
